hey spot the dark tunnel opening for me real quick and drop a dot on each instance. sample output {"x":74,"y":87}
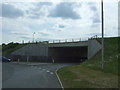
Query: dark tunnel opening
{"x":68,"y":54}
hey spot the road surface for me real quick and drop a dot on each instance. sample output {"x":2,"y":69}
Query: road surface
{"x":31,"y":75}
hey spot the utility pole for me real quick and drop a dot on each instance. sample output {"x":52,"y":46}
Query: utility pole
{"x":33,"y":37}
{"x":102,"y":16}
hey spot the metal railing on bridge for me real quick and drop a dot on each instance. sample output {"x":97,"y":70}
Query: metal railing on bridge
{"x":66,"y":40}
{"x":96,"y":38}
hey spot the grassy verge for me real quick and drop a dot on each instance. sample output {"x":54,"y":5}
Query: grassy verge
{"x":89,"y":73}
{"x":83,"y":77}
{"x":11,"y":49}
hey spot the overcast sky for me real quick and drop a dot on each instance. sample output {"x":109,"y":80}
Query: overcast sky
{"x":56,"y":20}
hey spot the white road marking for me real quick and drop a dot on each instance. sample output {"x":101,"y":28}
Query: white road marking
{"x":59,"y":79}
{"x":51,"y":72}
{"x":43,"y":69}
{"x":47,"y":71}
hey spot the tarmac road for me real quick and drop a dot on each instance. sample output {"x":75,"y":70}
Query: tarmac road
{"x":30,"y":75}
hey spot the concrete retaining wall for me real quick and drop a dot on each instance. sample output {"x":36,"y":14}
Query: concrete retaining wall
{"x":42,"y":51}
{"x":93,"y":47}
{"x":33,"y":50}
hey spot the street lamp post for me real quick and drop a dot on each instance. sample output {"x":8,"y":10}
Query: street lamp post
{"x":33,"y":37}
{"x":102,"y":16}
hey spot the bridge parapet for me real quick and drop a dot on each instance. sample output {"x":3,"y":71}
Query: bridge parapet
{"x":56,"y":41}
{"x":69,"y":44}
{"x":68,"y":40}
{"x":75,"y":40}
{"x":95,"y":38}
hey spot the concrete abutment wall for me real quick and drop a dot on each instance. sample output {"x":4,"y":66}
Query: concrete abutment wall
{"x":59,"y":52}
{"x":93,"y":47}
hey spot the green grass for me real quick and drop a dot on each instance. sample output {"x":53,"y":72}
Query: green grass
{"x":89,"y":74}
{"x":111,"y":57}
{"x":83,"y":77}
{"x":7,"y":49}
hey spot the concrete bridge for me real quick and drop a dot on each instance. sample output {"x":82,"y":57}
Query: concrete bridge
{"x":58,"y":52}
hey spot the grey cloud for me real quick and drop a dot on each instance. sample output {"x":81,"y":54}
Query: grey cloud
{"x":115,"y":28}
{"x":96,"y":18}
{"x":91,"y":3}
{"x":43,"y":34}
{"x":45,"y":3}
{"x":43,"y":39}
{"x":95,"y":25}
{"x":27,"y":38}
{"x":61,"y":26}
{"x":20,"y":33}
{"x":34,"y":13}
{"x":9,"y":11}
{"x":37,"y":11}
{"x":64,"y":10}
{"x":93,"y":8}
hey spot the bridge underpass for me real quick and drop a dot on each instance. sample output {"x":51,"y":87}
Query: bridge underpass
{"x":58,"y":52}
{"x":68,"y":54}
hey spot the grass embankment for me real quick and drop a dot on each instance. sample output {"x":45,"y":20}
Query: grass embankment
{"x":89,"y":73}
{"x":9,"y":48}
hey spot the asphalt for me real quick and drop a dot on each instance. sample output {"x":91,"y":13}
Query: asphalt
{"x":31,"y":75}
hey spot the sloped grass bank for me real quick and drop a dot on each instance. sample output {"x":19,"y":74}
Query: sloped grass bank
{"x":89,"y":74}
{"x":7,"y":49}
{"x":83,"y":77}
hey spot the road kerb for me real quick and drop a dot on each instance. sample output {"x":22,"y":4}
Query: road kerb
{"x":59,"y":79}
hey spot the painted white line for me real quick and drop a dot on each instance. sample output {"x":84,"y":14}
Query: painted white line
{"x":59,"y":79}
{"x":47,"y":71}
{"x":43,"y":69}
{"x":40,"y":68}
{"x":51,"y":73}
